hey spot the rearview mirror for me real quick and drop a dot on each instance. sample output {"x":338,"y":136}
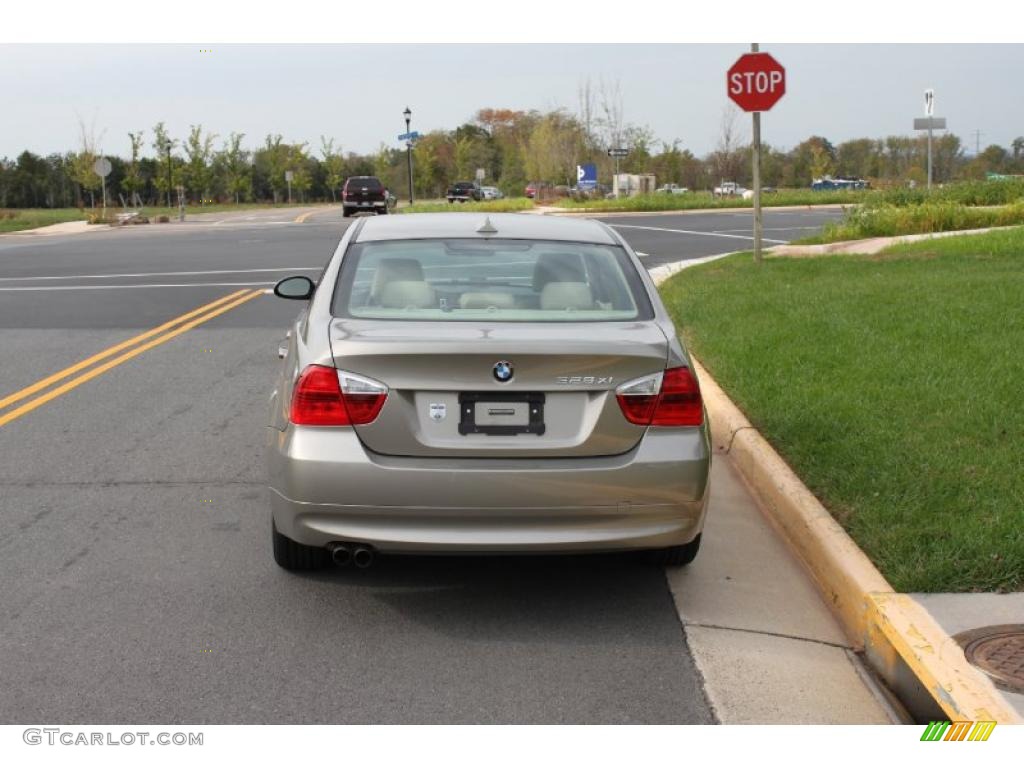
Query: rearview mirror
{"x":298,"y":287}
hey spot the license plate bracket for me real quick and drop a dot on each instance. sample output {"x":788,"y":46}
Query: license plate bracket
{"x":469,"y":402}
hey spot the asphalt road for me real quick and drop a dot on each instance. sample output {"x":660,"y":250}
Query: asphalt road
{"x":137,"y":579}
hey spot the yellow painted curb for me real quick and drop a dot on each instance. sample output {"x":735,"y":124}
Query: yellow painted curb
{"x":893,"y":626}
{"x":937,"y":660}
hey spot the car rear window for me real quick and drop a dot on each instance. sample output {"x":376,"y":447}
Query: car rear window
{"x":499,"y":280}
{"x":372,"y":183}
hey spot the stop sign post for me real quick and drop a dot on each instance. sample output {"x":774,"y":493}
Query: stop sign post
{"x":756,"y":82}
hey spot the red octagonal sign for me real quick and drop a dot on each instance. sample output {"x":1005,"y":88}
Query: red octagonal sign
{"x":756,"y":81}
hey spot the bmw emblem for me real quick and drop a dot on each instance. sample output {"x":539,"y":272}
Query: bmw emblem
{"x":503,"y":370}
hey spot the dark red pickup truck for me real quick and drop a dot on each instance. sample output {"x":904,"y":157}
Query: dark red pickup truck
{"x":464,"y":192}
{"x":364,"y":193}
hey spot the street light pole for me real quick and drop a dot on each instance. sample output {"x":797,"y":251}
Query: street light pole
{"x":408,"y":148}
{"x":167,"y":146}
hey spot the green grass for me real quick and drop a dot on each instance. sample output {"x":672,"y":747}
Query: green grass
{"x":660,"y":201}
{"x":889,"y":220}
{"x":17,"y":219}
{"x":1001,"y":192}
{"x":892,"y":386}
{"x":507,"y":205}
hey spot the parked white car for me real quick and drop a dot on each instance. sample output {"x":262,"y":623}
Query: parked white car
{"x":729,"y":189}
{"x":673,"y":189}
{"x":492,"y":193}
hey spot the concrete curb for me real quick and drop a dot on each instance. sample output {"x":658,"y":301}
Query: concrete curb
{"x":902,"y":642}
{"x":872,"y":245}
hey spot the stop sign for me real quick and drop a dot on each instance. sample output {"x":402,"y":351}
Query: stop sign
{"x":756,"y":81}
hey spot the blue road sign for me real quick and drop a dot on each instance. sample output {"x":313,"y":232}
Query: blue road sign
{"x":411,"y":136}
{"x":586,"y":176}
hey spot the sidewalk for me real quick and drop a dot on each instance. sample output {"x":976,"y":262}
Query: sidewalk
{"x":767,"y":645}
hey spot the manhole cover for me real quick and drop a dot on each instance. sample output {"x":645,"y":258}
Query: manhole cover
{"x":999,"y":652}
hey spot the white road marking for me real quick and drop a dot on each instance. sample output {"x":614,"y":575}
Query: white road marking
{"x":767,"y":229}
{"x":127,"y":285}
{"x":162,"y":274}
{"x":694,"y":232}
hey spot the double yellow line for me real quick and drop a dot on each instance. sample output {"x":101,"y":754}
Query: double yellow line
{"x":135,"y":346}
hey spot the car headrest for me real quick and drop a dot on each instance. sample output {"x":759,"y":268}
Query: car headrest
{"x":482,"y":300}
{"x":407,"y":294}
{"x":557,"y":268}
{"x":390,"y":270}
{"x":566,"y":296}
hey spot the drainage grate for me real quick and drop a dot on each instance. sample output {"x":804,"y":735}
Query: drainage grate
{"x":999,"y":652}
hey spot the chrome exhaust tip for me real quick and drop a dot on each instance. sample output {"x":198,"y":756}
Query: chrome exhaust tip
{"x":340,"y":554}
{"x":363,"y":557}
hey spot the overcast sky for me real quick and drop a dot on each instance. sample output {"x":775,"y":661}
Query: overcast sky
{"x":356,"y":94}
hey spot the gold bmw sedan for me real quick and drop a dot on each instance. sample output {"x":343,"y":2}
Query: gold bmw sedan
{"x":462,"y":383}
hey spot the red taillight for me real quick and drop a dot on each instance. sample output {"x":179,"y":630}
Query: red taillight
{"x":669,"y":399}
{"x":324,"y":396}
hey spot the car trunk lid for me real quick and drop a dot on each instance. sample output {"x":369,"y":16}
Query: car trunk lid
{"x":445,"y":398}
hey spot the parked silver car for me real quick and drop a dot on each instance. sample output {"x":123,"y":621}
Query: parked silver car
{"x":461,"y":383}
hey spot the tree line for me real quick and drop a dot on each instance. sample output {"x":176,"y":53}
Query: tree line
{"x":513,"y":147}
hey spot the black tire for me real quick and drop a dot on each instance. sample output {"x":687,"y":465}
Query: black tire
{"x":293,"y":556}
{"x":346,"y":212}
{"x":382,"y":211}
{"x":682,"y":555}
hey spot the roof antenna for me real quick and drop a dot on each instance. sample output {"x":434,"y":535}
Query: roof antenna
{"x":487,"y":228}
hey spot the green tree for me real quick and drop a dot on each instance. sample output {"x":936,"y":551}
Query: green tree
{"x":133,"y":183}
{"x":272,"y":161}
{"x":334,"y":166}
{"x":299,"y":165}
{"x":164,"y":146}
{"x":197,"y":172}
{"x":234,"y":168}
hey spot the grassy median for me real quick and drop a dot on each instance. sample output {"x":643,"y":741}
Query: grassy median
{"x":892,"y":386}
{"x":505,"y":205}
{"x":697,"y":201}
{"x":17,"y":219}
{"x":888,"y":220}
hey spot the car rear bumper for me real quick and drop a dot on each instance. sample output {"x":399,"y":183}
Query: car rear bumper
{"x":326,"y":486}
{"x":365,"y":204}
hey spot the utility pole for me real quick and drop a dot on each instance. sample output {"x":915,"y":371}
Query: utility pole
{"x":758,"y":220}
{"x":977,"y":142}
{"x":408,"y":148}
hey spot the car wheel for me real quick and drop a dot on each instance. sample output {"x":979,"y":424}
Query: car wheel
{"x":293,"y":556}
{"x":346,"y":212}
{"x":682,"y":555}
{"x":382,"y":211}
